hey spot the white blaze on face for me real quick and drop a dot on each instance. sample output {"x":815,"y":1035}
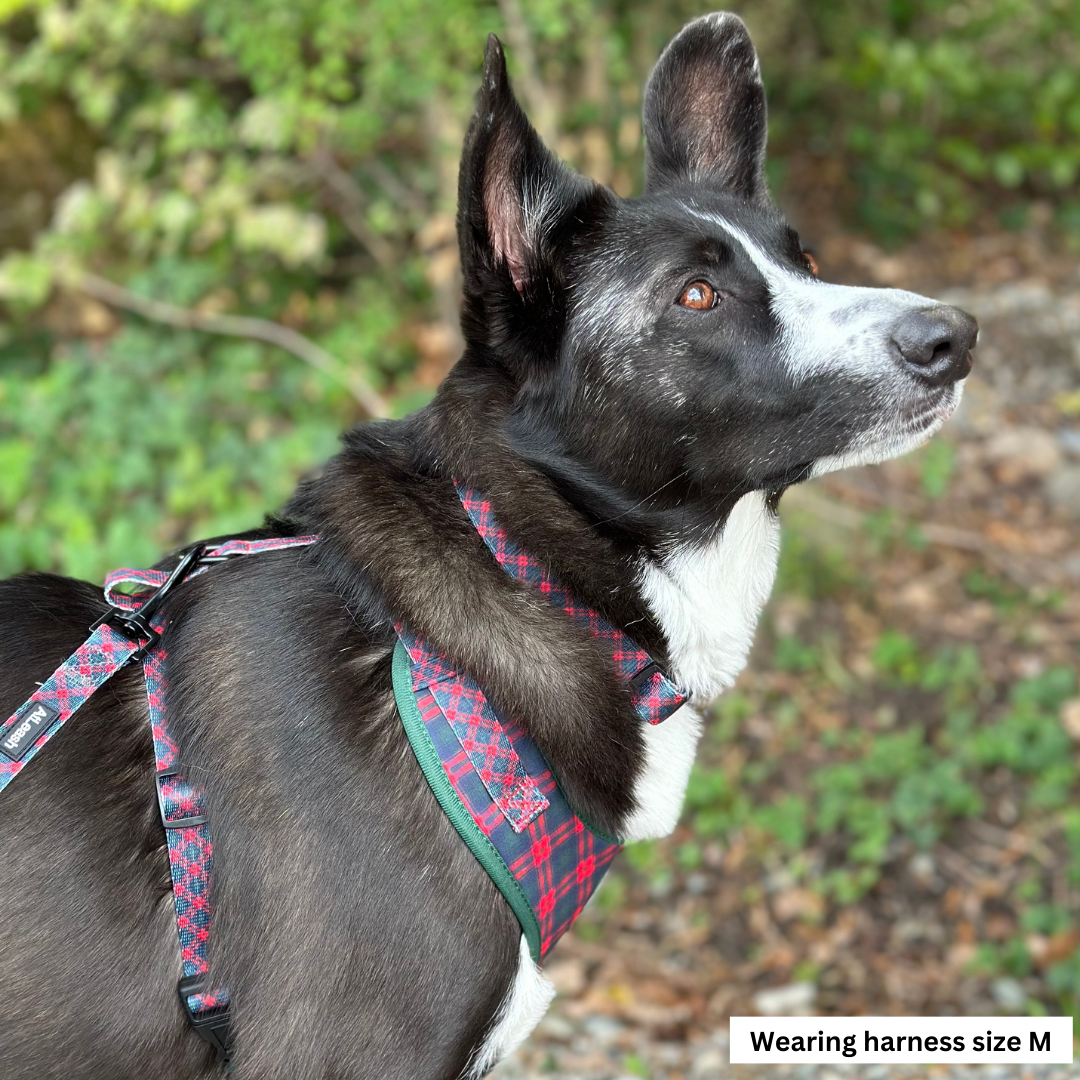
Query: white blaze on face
{"x":846,"y":330}
{"x":827,"y":327}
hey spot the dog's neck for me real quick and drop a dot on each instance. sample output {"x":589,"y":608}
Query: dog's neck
{"x":693,"y":601}
{"x":708,"y":597}
{"x":398,"y":546}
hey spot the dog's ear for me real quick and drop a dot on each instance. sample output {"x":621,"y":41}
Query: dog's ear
{"x":704,"y":112}
{"x":513,"y":193}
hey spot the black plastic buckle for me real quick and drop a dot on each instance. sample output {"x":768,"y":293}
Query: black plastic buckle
{"x":211,"y":1026}
{"x":644,"y":675}
{"x":175,"y":823}
{"x":135,"y":625}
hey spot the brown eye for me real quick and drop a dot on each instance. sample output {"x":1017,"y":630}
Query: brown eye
{"x":811,"y":263}
{"x":698,"y":295}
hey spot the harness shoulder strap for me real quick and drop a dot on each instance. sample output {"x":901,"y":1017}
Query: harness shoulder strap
{"x":131,"y":630}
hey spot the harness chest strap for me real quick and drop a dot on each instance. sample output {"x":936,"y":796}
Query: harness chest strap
{"x":488,"y":775}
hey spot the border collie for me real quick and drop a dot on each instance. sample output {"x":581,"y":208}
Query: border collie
{"x":643,"y":379}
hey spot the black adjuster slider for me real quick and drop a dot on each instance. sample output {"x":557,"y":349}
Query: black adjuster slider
{"x":212,"y":1026}
{"x":173,"y":823}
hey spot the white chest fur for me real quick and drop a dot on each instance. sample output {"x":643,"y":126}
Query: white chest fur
{"x":707,"y":600}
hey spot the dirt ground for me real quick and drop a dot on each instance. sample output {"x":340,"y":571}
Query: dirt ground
{"x":974,"y":547}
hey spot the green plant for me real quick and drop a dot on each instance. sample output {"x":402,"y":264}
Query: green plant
{"x":947,"y":106}
{"x":936,"y":467}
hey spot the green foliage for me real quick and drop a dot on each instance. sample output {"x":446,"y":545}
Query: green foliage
{"x":794,"y":655}
{"x":942,"y":106}
{"x":907,"y":785}
{"x":1029,"y":739}
{"x":297,"y":161}
{"x":896,"y":656}
{"x":785,"y":820}
{"x":937,"y":465}
{"x":810,"y":569}
{"x":152,"y":441}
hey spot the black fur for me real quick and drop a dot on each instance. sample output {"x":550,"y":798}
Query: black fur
{"x":358,"y":936}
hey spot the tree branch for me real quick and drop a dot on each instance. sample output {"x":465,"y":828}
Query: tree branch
{"x":350,"y":202}
{"x":240,"y":326}
{"x":401,"y":194}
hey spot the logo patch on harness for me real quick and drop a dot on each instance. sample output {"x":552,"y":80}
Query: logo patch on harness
{"x":36,"y":718}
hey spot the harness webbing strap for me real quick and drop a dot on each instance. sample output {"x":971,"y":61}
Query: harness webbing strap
{"x":191,"y":853}
{"x":137,"y":634}
{"x":656,"y":697}
{"x":57,"y":700}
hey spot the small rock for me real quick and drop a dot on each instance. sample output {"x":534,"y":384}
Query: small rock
{"x":1070,"y":441}
{"x":666,"y":1053}
{"x":707,"y":1065}
{"x":795,"y":999}
{"x":1009,"y":994}
{"x":923,"y":868}
{"x":567,"y":976}
{"x":1024,"y":451}
{"x":697,"y":884}
{"x":556,"y":1027}
{"x":602,"y":1029}
{"x":1062,"y":490}
{"x":1070,"y":718}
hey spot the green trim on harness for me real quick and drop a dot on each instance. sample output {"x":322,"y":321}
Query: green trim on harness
{"x":452,"y":806}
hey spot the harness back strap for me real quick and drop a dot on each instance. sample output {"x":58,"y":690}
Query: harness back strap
{"x":131,"y":631}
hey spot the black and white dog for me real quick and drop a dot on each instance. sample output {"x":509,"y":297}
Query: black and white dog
{"x":643,"y":379}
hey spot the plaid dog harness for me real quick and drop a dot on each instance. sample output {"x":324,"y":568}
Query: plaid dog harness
{"x":488,"y":775}
{"x":131,"y":631}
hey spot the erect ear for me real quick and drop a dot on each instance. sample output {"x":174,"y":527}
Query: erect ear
{"x":512,"y":191}
{"x":704,"y":113}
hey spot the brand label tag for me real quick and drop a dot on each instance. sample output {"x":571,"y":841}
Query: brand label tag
{"x":28,"y":724}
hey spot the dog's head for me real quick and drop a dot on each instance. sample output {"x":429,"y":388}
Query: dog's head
{"x":672,"y":352}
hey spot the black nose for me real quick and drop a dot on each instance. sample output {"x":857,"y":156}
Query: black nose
{"x":936,"y":343}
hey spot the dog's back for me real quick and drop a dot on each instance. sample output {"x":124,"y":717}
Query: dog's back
{"x":350,"y":923}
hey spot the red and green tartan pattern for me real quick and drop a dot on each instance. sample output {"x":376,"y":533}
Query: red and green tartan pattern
{"x":478,"y":734}
{"x":165,"y":752}
{"x":255,"y":547}
{"x":496,"y":772}
{"x":657,"y":697}
{"x":191,"y":853}
{"x":93,"y":663}
{"x":556,"y":859}
{"x":152,"y":579}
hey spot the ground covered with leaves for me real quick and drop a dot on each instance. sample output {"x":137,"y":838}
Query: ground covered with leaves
{"x":885,"y":815}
